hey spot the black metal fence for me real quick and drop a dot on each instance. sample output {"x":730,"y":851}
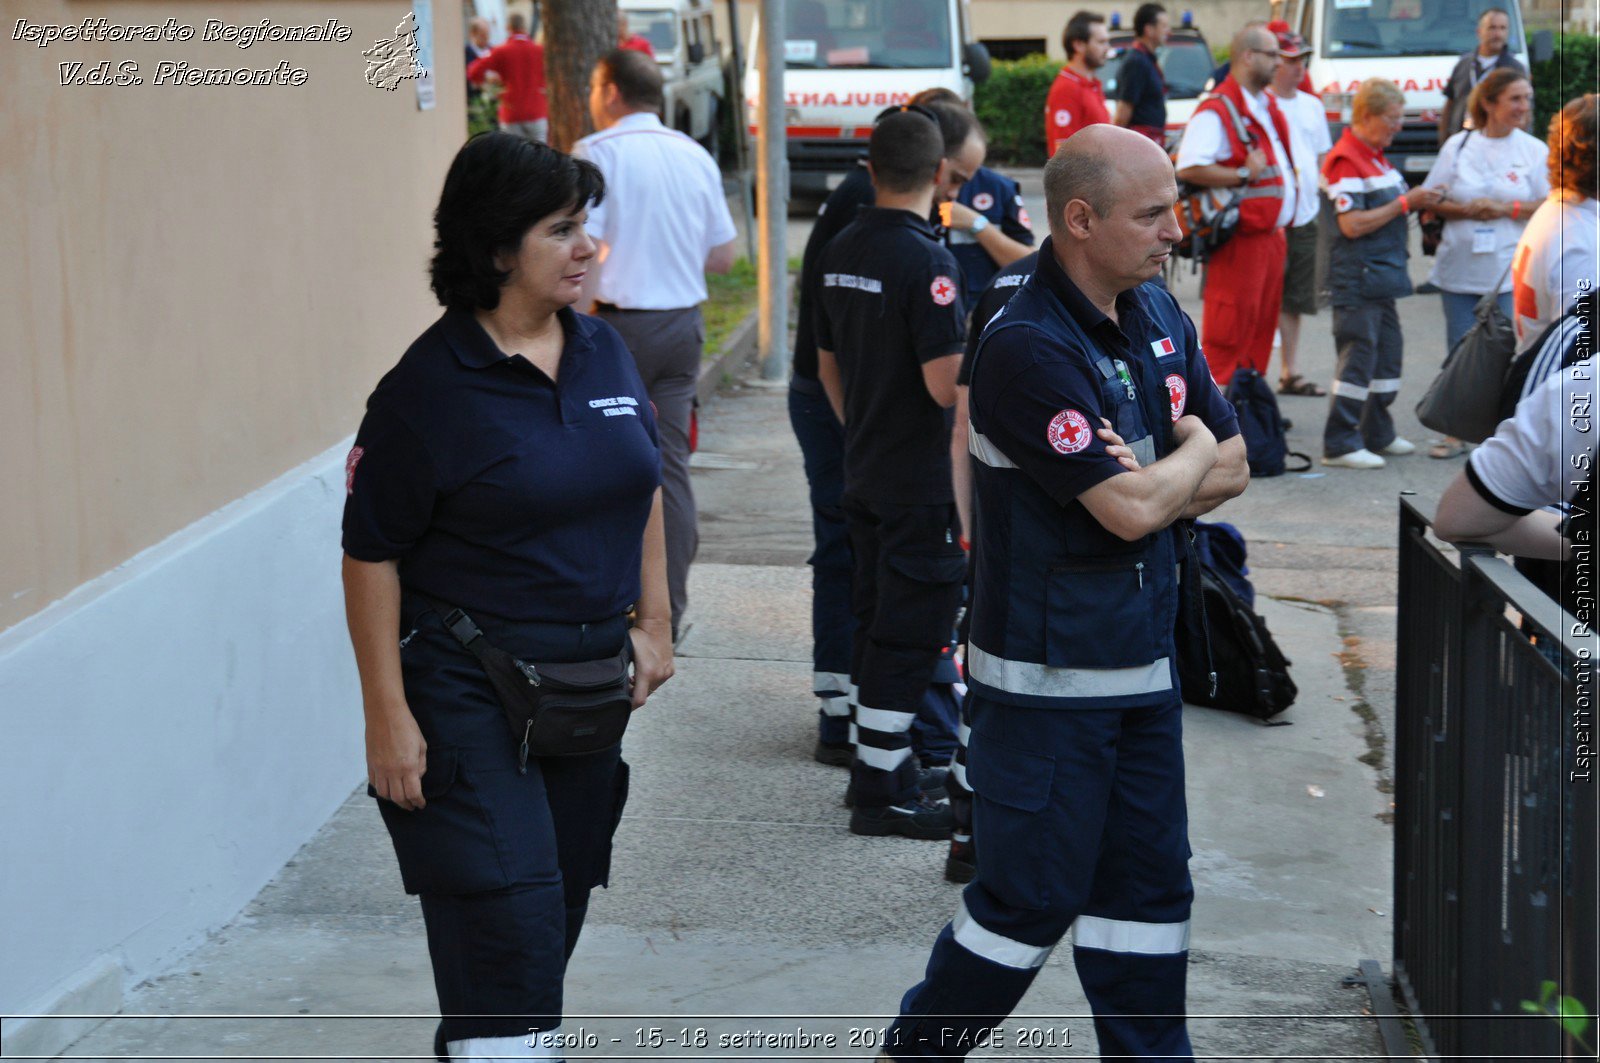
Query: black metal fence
{"x":1495,"y":822}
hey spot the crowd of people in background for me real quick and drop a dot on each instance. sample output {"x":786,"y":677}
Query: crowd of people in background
{"x":1024,"y":429}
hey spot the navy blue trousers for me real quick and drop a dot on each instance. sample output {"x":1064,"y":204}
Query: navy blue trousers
{"x":501,"y":861}
{"x":833,"y":625}
{"x":906,"y":590}
{"x":1082,"y":825}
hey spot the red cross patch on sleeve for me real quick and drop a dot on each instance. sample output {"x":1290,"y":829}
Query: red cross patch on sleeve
{"x":350,"y":462}
{"x":943,"y":290}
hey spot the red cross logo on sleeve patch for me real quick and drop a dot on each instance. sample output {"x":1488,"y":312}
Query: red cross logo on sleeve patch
{"x":1068,"y":432}
{"x":1063,"y":118}
{"x":1178,"y":394}
{"x":982,"y":201}
{"x":944,"y":290}
{"x":350,"y":462}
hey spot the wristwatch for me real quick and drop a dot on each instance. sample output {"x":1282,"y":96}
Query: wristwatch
{"x":979,"y":224}
{"x":1244,"y":174}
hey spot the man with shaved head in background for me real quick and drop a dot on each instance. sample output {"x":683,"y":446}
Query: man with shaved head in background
{"x":1238,"y":139}
{"x":1095,"y":429}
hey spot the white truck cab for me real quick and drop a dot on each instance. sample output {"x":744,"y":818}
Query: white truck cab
{"x":683,"y":36}
{"x":1414,"y":43}
{"x":846,"y":60}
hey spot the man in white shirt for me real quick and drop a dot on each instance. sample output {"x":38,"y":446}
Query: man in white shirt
{"x":1238,"y":139}
{"x":663,"y":224}
{"x":1309,"y":140}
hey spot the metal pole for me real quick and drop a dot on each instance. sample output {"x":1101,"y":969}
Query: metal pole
{"x":773,"y":198}
{"x":741,"y":134}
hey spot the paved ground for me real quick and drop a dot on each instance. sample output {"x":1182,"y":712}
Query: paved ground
{"x":740,"y":905}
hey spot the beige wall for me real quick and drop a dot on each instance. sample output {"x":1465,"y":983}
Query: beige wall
{"x":200,"y":284}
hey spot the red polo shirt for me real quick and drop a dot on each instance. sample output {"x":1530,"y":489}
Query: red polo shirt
{"x":1075,"y":101}
{"x":520,"y":64}
{"x":638,"y":44}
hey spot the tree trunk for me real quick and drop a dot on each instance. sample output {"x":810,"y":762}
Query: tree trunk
{"x":576,"y":34}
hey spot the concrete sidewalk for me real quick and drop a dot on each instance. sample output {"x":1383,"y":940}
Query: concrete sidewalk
{"x":740,"y":905}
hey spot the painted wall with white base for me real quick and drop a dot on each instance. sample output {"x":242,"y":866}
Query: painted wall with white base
{"x":172,"y":733}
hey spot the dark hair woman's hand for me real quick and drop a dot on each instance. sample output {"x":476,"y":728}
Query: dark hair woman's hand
{"x":396,"y":757}
{"x":652,"y":657}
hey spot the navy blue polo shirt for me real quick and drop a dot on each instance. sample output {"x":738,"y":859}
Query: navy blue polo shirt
{"x":1140,"y":83}
{"x":890,"y":302}
{"x":998,"y":198}
{"x":997,"y":294}
{"x":499,"y":490}
{"x":836,"y":212}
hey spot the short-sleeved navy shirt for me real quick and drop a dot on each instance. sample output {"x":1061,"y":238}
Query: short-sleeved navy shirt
{"x":1026,"y":381}
{"x":1140,"y":83}
{"x":1000,"y":290}
{"x":500,"y":491}
{"x":837,"y":211}
{"x":998,"y":198}
{"x":890,"y":302}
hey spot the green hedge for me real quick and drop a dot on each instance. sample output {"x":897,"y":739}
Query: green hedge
{"x":1011,"y":107}
{"x":1011,"y":103}
{"x":1572,"y":71}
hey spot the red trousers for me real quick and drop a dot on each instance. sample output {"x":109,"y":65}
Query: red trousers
{"x":1244,"y":289}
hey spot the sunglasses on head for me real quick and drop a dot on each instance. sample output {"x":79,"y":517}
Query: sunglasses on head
{"x":910,"y":108}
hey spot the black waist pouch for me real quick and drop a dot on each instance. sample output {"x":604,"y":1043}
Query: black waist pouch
{"x":554,"y":710}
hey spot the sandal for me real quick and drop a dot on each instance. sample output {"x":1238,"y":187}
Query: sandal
{"x":1295,"y":384}
{"x":1449,"y":448}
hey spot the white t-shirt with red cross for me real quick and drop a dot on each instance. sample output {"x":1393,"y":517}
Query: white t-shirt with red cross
{"x":1554,"y":263}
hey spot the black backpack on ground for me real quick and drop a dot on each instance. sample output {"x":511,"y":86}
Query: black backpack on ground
{"x":1266,"y":443}
{"x":1251,"y":672}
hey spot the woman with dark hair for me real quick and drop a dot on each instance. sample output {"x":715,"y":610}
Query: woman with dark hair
{"x":503,"y":511}
{"x":1555,"y":262}
{"x":1492,"y":177}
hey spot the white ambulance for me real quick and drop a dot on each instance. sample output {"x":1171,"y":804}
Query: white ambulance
{"x":1414,"y":43}
{"x":846,"y":60}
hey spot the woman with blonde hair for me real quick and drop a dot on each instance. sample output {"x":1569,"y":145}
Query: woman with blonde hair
{"x":1366,"y":274}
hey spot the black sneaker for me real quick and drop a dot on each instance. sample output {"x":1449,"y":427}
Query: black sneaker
{"x":962,"y":863}
{"x":834,"y":754}
{"x":930,"y":784}
{"x":921,"y":818}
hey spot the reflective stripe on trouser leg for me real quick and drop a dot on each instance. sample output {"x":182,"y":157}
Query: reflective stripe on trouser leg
{"x":1377,"y":427}
{"x":1356,"y":331}
{"x":956,"y":785}
{"x":1107,"y":840}
{"x":1131,"y":943}
{"x":881,"y":738}
{"x":540,"y":1044}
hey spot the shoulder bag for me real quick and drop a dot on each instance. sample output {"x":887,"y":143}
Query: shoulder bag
{"x":1464,"y":399}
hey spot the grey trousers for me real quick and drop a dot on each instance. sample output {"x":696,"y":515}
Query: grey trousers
{"x":666,"y":346}
{"x":1368,"y":339}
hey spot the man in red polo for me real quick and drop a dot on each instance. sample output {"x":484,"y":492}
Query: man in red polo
{"x":1076,"y":97}
{"x":1239,"y":139}
{"x":520,"y":64}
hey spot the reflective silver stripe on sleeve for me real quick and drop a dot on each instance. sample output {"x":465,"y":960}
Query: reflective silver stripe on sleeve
{"x":994,"y":948}
{"x":980,"y":447}
{"x":1116,"y":935}
{"x":1048,"y":681}
{"x":884,"y":720}
{"x":1345,"y":390}
{"x":1384,"y":387}
{"x":882,"y":759}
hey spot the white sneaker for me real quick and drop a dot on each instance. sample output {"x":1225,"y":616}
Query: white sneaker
{"x":1356,"y":459}
{"x":1398,"y":446}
